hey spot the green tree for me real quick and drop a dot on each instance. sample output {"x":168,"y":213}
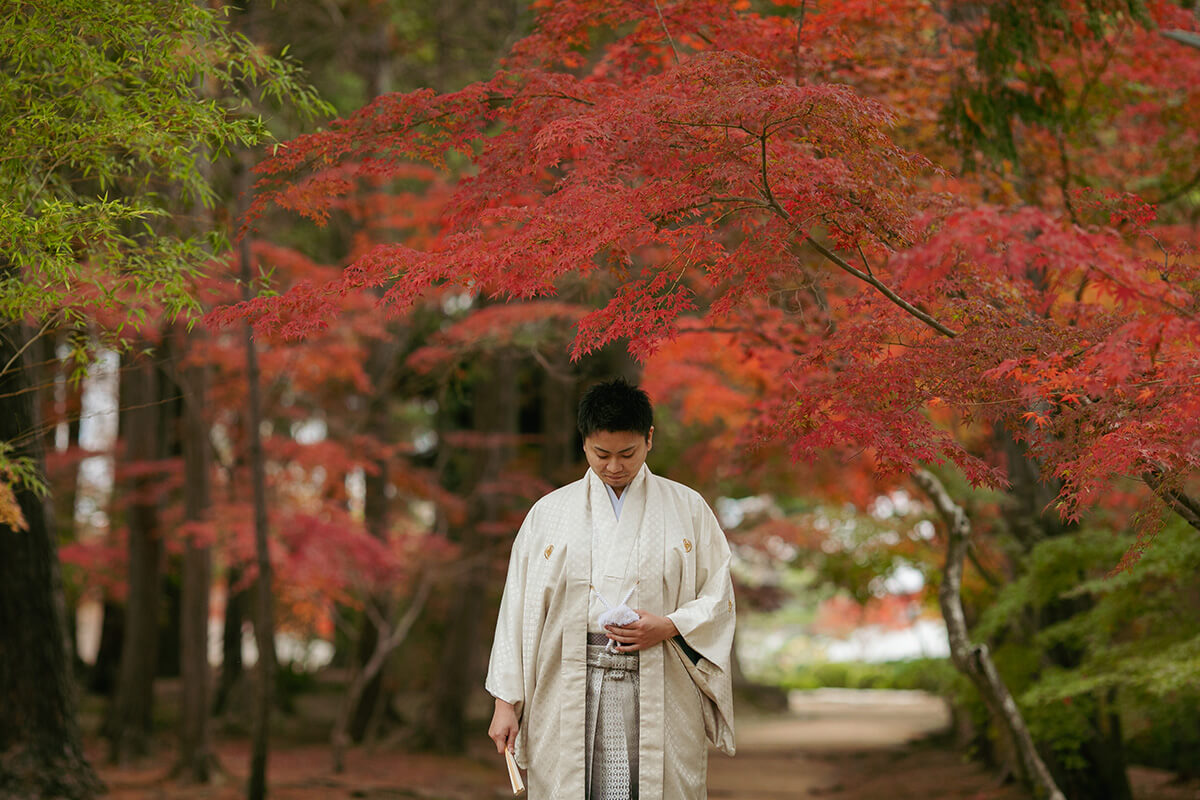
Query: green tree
{"x":103,"y":116}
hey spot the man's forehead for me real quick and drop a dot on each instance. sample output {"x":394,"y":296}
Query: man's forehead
{"x":614,"y":440}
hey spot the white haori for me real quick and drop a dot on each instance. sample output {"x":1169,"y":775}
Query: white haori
{"x":668,"y":544}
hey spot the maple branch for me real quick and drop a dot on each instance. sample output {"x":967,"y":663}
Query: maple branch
{"x":863,"y":256}
{"x":390,"y":638}
{"x":1092,"y":80}
{"x":1183,"y":312}
{"x":866,"y":277}
{"x":1064,"y":180}
{"x":729,"y":126}
{"x":749,"y":203}
{"x":765,"y":184}
{"x":267,"y":180}
{"x":1176,"y":499}
{"x":663,"y":22}
{"x":1180,"y":190}
{"x":984,"y":572}
{"x":546,"y":365}
{"x":796,"y":51}
{"x":881,"y":287}
{"x":1183,"y":37}
{"x":736,"y":209}
{"x":560,"y":96}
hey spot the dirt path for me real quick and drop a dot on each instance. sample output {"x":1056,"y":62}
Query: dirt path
{"x":849,"y":744}
{"x":832,"y":745}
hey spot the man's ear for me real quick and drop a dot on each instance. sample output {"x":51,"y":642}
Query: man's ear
{"x":650,"y":439}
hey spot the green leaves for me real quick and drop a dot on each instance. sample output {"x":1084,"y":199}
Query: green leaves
{"x":1133,"y":634}
{"x":108,"y":114}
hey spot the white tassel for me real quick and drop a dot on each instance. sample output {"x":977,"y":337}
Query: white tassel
{"x":620,"y":616}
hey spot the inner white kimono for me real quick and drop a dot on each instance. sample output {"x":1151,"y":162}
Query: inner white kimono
{"x":669,"y":544}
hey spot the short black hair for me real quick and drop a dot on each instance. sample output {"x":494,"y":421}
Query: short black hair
{"x":615,"y":406}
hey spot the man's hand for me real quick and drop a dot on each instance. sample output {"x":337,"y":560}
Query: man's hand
{"x":503,"y":730}
{"x":642,"y":634}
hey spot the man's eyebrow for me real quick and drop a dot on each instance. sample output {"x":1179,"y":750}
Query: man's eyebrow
{"x":629,"y":449}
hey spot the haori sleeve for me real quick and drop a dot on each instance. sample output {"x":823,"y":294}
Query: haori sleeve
{"x":706,"y":622}
{"x":505,"y":676}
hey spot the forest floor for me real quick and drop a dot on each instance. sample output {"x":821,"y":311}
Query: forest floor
{"x":830,"y":744}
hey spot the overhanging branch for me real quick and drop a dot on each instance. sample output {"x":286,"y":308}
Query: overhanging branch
{"x":1184,"y":37}
{"x":840,"y":262}
{"x":1176,"y":499}
{"x":881,"y":287}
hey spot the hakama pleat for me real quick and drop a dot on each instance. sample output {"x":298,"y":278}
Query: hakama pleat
{"x":611,"y":734}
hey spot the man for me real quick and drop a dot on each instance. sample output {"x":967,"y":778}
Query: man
{"x":629,"y":720}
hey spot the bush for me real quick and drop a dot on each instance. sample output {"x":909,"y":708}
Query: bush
{"x":936,"y":675}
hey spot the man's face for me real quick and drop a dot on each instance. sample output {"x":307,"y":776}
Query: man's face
{"x":617,"y":456}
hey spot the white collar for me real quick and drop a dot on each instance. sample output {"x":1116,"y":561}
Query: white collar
{"x":617,"y":501}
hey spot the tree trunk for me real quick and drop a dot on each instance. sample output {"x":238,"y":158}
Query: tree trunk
{"x":494,"y":412}
{"x":391,"y":634}
{"x":382,"y":367}
{"x":170,"y":616}
{"x":375,"y":513}
{"x":974,"y":660}
{"x":377,"y":76}
{"x":196,"y":760}
{"x":1096,"y":769}
{"x":40,"y":746}
{"x":264,"y":626}
{"x":129,"y":727}
{"x":559,"y":399}
{"x":1101,"y":775}
{"x":104,"y":673}
{"x":232,"y":670}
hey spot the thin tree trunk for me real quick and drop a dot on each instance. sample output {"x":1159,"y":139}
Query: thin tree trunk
{"x":494,"y":413}
{"x":377,"y":76}
{"x":559,"y":451}
{"x":371,"y":695}
{"x":232,"y":670}
{"x":1096,"y":769}
{"x":130,"y":722}
{"x":40,"y":745}
{"x":375,"y":513}
{"x":390,"y":636}
{"x":974,"y":660}
{"x":196,"y":759}
{"x":264,"y":627}
{"x":104,"y":672}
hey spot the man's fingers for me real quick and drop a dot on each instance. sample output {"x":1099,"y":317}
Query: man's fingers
{"x":505,"y":739}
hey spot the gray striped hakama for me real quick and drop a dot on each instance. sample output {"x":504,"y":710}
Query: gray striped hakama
{"x":611,"y":749}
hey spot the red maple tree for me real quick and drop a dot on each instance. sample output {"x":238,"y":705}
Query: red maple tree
{"x":704,"y":159}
